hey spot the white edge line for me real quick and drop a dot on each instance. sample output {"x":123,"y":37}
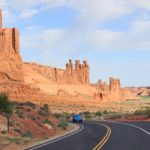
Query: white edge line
{"x":131,"y":126}
{"x":56,"y":140}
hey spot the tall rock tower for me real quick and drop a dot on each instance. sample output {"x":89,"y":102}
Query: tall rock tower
{"x":0,"y":18}
{"x":11,"y":63}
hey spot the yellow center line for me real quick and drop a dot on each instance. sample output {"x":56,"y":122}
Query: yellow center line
{"x":105,"y":138}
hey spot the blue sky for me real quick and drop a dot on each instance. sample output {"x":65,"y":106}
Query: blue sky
{"x":113,"y":35}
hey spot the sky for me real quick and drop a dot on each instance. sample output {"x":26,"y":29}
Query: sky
{"x":113,"y":35}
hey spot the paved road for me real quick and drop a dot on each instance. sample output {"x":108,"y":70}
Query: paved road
{"x":104,"y":136}
{"x":128,"y":136}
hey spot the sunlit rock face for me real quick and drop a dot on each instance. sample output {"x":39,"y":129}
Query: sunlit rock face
{"x":11,"y":63}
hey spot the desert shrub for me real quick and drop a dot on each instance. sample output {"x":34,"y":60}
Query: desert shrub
{"x":48,"y":122}
{"x":57,"y":115}
{"x":147,"y":111}
{"x":88,"y":116}
{"x":43,"y":113}
{"x":17,"y":130}
{"x":115,"y":116}
{"x":105,"y":112}
{"x":27,"y":134}
{"x":139,"y":112}
{"x":63,"y":125}
{"x":4,"y":131}
{"x":14,"y":140}
{"x":98,"y":113}
{"x":127,"y":115}
{"x":68,"y":116}
{"x":20,"y":114}
{"x":45,"y":108}
{"x":33,"y":118}
{"x":30,"y":104}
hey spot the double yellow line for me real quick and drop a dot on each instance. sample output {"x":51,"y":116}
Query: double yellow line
{"x":104,"y":140}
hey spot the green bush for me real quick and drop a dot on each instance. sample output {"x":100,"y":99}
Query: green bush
{"x":115,"y":116}
{"x":57,"y":115}
{"x":98,"y":113}
{"x":30,"y":104}
{"x":105,"y":112}
{"x":20,"y":114}
{"x":43,"y":113}
{"x":17,"y":130}
{"x":4,"y":131}
{"x":68,"y":116}
{"x":27,"y":134}
{"x":33,"y":118}
{"x":146,"y":112}
{"x":63,"y":125}
{"x":45,"y":108}
{"x":48,"y":122}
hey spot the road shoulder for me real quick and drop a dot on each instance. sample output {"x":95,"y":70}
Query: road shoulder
{"x":73,"y":128}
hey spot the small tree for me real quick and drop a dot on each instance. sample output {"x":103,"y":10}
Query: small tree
{"x":6,"y":108}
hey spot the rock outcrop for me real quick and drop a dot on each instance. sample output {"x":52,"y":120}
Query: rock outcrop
{"x":78,"y":74}
{"x":30,"y":81}
{"x":113,"y":91}
{"x":11,"y":67}
{"x":0,"y":18}
{"x":11,"y":63}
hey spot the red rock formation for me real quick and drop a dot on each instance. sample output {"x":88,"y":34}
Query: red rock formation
{"x":11,"y":63}
{"x":0,"y":18}
{"x":82,"y":72}
{"x":113,"y":91}
{"x":11,"y":67}
{"x":71,"y":75}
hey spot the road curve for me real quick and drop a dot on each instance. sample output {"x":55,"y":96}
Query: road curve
{"x":86,"y":139}
{"x":104,"y":135}
{"x":128,"y":136}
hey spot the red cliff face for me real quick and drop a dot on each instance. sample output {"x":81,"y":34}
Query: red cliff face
{"x":72,"y":74}
{"x":30,"y":81}
{"x":78,"y":74}
{"x":11,"y":63}
{"x":11,"y":67}
{"x":113,"y":91}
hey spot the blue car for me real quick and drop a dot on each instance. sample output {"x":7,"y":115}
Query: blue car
{"x":77,"y":118}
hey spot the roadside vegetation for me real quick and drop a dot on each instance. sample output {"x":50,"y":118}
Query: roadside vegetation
{"x":23,"y":123}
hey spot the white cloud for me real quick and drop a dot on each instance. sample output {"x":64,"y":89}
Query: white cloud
{"x":28,"y":13}
{"x":43,"y":40}
{"x":98,"y":11}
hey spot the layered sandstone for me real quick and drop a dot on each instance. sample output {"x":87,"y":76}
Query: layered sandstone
{"x":11,"y":67}
{"x":113,"y":91}
{"x":11,"y":63}
{"x":47,"y":84}
{"x":140,"y":91}
{"x":31,"y":81}
{"x":78,"y":74}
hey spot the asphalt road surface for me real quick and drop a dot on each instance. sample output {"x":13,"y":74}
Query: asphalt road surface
{"x":104,"y":136}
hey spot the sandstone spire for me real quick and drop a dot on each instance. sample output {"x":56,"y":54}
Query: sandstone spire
{"x":0,"y":18}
